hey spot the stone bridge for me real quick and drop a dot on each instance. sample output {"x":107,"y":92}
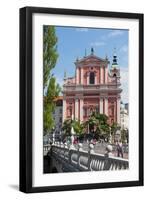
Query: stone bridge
{"x":63,"y":158}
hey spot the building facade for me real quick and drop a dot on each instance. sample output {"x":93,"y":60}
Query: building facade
{"x":124,"y":117}
{"x":93,"y":88}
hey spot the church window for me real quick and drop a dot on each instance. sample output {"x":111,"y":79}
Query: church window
{"x":91,"y":78}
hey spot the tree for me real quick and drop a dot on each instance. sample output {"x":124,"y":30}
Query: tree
{"x":124,"y":135}
{"x":50,"y":87}
{"x":48,"y":121}
{"x":114,"y":127}
{"x":78,"y":127}
{"x":98,"y":125}
{"x":53,"y":91}
{"x":50,"y":54}
{"x":67,"y":125}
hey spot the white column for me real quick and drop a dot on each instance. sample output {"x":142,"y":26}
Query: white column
{"x":118,"y":110}
{"x":106,"y":75}
{"x":77,"y":75}
{"x":101,"y":75}
{"x":106,"y":106}
{"x":81,"y":76}
{"x":101,"y":105}
{"x":88,"y":79}
{"x":95,"y":79}
{"x":76,"y":108}
{"x":81,"y":110}
{"x":64,"y":110}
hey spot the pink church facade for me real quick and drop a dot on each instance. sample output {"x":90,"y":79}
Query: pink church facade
{"x":94,"y":88}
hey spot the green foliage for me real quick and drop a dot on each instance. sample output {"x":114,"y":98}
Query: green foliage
{"x":114,"y":127}
{"x":99,"y":124}
{"x":52,"y":89}
{"x":124,"y":135}
{"x":67,"y":125}
{"x":78,"y":127}
{"x":48,"y":122}
{"x":50,"y":54}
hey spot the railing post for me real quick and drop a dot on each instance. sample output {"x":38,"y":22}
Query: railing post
{"x":78,"y":152}
{"x":109,"y":149}
{"x":91,"y":150}
{"x":108,"y":153}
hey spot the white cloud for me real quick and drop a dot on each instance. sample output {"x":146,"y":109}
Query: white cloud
{"x":82,"y":29}
{"x":113,"y":33}
{"x":124,"y":84}
{"x":98,"y":44}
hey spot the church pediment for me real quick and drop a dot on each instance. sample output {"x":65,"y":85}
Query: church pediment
{"x":90,"y":60}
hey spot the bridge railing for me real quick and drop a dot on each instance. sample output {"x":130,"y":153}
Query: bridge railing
{"x":46,"y":149}
{"x":81,"y":160}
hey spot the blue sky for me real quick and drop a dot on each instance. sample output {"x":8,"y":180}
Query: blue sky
{"x":72,"y":42}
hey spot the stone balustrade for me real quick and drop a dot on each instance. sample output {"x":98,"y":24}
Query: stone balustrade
{"x":46,"y":149}
{"x":74,"y":159}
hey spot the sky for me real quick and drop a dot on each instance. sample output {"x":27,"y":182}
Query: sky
{"x":74,"y":42}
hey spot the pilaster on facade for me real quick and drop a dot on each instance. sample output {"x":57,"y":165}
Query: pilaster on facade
{"x":106,"y":106}
{"x":118,"y":110}
{"x":101,"y":106}
{"x":87,"y":79}
{"x":76,"y":108}
{"x":64,"y":110}
{"x":106,"y":75}
{"x":101,"y":75}
{"x":81,"y":76}
{"x":95,"y":79}
{"x":81,"y":109}
{"x":77,"y":75}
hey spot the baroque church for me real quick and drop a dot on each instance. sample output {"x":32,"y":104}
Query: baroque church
{"x":94,"y":88}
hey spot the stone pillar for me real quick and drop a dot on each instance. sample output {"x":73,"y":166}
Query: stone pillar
{"x":106,"y":106}
{"x":101,"y":75}
{"x":101,"y":105}
{"x":118,"y":110}
{"x":76,"y":108}
{"x":81,"y":76}
{"x":64,"y":110}
{"x":81,"y":110}
{"x":77,"y":75}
